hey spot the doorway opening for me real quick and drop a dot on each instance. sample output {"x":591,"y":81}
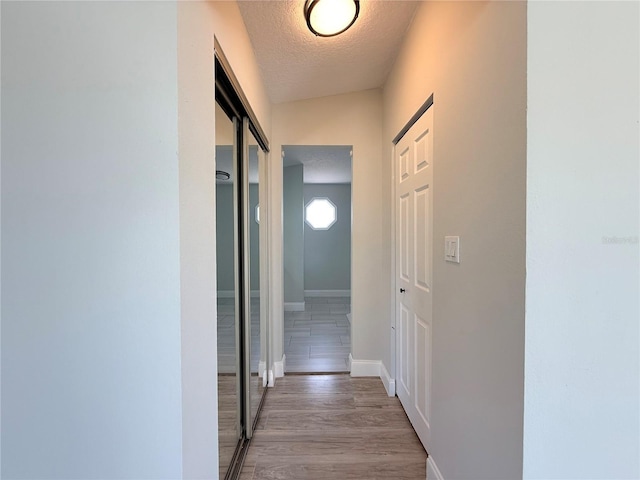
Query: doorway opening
{"x":317,"y":217}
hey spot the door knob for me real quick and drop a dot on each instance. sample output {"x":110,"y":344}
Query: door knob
{"x":402,"y":290}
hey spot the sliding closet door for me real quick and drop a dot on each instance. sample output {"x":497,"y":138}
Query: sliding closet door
{"x":229,"y":372}
{"x":255,"y":328}
{"x":241,"y":271}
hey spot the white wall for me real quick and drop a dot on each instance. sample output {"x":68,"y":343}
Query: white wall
{"x":582,"y":364}
{"x":90,"y":250}
{"x":472,"y":57}
{"x":108,"y":238}
{"x":198,"y":23}
{"x":0,"y":248}
{"x":350,"y":119}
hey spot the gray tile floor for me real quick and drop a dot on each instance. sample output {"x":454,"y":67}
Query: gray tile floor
{"x":315,"y":341}
{"x":318,"y":339}
{"x":227,"y":335}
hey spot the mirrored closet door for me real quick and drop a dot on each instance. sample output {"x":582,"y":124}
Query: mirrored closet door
{"x":241,"y":276}
{"x":257,"y":358}
{"x":229,"y":378}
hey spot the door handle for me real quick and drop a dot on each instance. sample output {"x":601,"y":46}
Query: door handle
{"x":402,"y":290}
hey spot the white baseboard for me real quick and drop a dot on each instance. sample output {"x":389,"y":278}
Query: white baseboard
{"x":327,"y":293}
{"x":389,"y":383}
{"x":432,"y":470}
{"x":278,"y":367}
{"x":271,"y":379}
{"x":373,"y":368}
{"x":231,"y":293}
{"x":364,"y":368}
{"x":262,"y":370}
{"x":294,"y":306}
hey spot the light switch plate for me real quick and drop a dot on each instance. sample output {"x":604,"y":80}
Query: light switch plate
{"x":452,"y":249}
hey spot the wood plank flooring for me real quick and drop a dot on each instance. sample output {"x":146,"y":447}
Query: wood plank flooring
{"x":227,"y":421}
{"x":319,"y":339}
{"x":228,"y":432}
{"x":322,"y":427}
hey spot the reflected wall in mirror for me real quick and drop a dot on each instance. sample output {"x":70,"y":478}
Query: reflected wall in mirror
{"x":229,"y":431}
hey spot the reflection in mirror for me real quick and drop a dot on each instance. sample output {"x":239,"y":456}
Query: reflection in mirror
{"x":257,"y":363}
{"x":228,"y":373}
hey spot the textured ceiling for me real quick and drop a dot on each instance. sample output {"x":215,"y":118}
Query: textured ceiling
{"x":322,"y":164}
{"x":296,"y":64}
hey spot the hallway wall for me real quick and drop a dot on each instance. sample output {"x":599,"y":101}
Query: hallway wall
{"x":472,"y":57}
{"x":198,"y":24}
{"x":108,"y":235}
{"x":582,"y":402}
{"x":91,"y":355}
{"x":350,"y":119}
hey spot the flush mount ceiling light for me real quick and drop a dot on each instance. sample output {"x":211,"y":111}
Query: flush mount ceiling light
{"x":327,"y":18}
{"x":222,"y":175}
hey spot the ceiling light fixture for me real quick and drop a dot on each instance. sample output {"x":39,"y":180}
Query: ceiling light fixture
{"x":222,"y":175}
{"x":327,"y":18}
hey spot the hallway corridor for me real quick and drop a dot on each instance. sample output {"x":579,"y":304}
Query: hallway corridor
{"x":322,"y":427}
{"x":318,"y":340}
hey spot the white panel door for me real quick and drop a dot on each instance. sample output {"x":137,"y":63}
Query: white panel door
{"x":414,"y":254}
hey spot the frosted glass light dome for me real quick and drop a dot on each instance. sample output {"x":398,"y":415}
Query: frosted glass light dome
{"x":327,"y":18}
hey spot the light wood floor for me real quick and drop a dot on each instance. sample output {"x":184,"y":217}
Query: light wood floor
{"x":227,"y":421}
{"x":228,"y":430}
{"x":322,"y":427}
{"x":318,"y":339}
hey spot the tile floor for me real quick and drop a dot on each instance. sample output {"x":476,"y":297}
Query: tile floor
{"x":227,"y":335}
{"x":318,"y":340}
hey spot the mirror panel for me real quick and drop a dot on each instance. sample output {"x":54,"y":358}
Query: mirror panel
{"x":257,"y":362}
{"x":229,"y":431}
{"x":242,"y":279}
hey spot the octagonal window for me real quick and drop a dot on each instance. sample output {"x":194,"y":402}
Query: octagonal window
{"x":320,"y":213}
